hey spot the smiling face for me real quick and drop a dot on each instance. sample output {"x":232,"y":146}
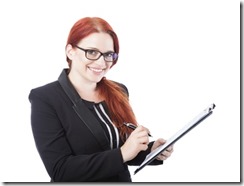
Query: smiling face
{"x":86,"y":70}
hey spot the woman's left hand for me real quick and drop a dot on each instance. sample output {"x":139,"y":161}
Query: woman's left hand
{"x":165,"y":154}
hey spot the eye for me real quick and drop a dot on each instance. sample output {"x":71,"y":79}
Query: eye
{"x":109,"y":54}
{"x":93,"y":52}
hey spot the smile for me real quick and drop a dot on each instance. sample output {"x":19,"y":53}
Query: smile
{"x":97,"y":70}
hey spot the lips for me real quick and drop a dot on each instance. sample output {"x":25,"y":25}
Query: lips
{"x":96,"y":70}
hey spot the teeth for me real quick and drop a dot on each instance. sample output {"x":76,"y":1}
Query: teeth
{"x":95,"y":69}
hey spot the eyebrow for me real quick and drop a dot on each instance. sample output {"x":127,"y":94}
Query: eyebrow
{"x":93,"y":48}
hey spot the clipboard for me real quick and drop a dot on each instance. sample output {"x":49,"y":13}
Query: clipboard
{"x":198,"y":119}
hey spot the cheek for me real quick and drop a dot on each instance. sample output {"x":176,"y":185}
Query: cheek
{"x":109,"y":65}
{"x":79,"y":62}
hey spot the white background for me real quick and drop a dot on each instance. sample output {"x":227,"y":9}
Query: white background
{"x":176,"y":58}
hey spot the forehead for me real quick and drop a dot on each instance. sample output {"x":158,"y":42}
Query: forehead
{"x":102,"y":41}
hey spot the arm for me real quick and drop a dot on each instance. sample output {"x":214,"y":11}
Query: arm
{"x":61,"y":162}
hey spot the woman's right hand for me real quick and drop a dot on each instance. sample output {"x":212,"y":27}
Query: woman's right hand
{"x":137,"y":141}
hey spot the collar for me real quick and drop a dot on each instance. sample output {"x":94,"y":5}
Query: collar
{"x":82,"y":111}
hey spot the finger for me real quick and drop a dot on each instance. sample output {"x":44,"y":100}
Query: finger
{"x":170,"y":149}
{"x":139,"y":128}
{"x":166,"y":153}
{"x":143,"y":140}
{"x":143,"y":147}
{"x":160,"y":141}
{"x":140,"y":133}
{"x":142,"y":128}
{"x":161,"y":157}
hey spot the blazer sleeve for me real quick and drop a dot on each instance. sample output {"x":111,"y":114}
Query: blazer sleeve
{"x":54,"y":149}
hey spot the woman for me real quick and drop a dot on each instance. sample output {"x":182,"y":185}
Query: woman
{"x":78,"y":120}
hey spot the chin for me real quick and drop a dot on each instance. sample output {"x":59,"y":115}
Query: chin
{"x":97,"y":80}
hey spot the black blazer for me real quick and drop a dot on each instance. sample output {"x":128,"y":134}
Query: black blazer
{"x":71,"y":142}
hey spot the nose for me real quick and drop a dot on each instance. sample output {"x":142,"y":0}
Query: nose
{"x":100,"y":61}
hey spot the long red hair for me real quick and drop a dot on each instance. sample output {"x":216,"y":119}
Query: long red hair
{"x":115,"y":97}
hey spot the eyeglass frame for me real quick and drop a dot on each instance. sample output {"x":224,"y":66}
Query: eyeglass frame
{"x":101,"y":54}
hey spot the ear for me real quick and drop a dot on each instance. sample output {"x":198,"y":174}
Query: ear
{"x":69,"y":51}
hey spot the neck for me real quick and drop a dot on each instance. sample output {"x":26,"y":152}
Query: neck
{"x":85,"y":88}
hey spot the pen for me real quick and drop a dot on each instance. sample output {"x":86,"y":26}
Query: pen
{"x":132,"y":126}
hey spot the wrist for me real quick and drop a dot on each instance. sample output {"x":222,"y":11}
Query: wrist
{"x":124,"y":155}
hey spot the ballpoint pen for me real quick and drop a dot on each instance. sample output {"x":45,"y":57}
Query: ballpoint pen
{"x":132,"y":126}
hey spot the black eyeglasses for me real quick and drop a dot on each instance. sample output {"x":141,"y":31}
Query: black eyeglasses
{"x":93,"y":54}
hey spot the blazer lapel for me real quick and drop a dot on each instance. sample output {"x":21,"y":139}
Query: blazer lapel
{"x":83,"y":112}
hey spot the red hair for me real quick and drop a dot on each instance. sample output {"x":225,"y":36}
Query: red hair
{"x":114,"y":95}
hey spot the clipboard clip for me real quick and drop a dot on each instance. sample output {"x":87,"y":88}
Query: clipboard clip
{"x":211,"y":107}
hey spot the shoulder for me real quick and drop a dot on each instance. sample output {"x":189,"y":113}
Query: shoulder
{"x":47,"y":91}
{"x":122,"y":87}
